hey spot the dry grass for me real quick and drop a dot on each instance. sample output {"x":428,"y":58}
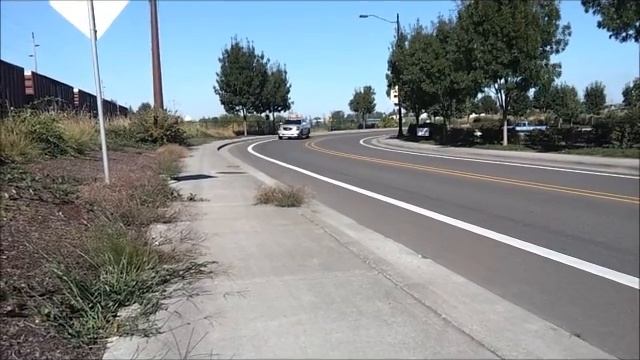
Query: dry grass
{"x":169,"y":158}
{"x":282,"y":196}
{"x":16,"y":143}
{"x":80,"y":132}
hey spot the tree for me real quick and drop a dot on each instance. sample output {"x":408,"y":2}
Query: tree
{"x":631,"y":94}
{"x":509,"y":43}
{"x":394,"y":68}
{"x":241,"y":80}
{"x":487,"y":105}
{"x":144,"y":107}
{"x":451,"y":79}
{"x":565,"y":103}
{"x":416,"y":59}
{"x":337,"y":115}
{"x":363,"y":103}
{"x":542,"y":98}
{"x":594,"y":97}
{"x":275,"y":98}
{"x":621,"y":18}
{"x":520,"y":103}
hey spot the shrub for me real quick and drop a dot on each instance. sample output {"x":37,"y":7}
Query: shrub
{"x":281,"y":196}
{"x":16,"y":142}
{"x":80,"y":133}
{"x":158,"y":128}
{"x":388,"y":122}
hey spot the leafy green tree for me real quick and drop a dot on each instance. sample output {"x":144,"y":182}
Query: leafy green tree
{"x":509,"y":44}
{"x":276,"y":98}
{"x":144,"y":107}
{"x":487,"y":105}
{"x":241,"y":80}
{"x":337,"y":115}
{"x":363,"y":103}
{"x":520,"y":103}
{"x":631,"y":94}
{"x":416,"y":61}
{"x":621,"y":18}
{"x":449,"y":78}
{"x":594,"y":98}
{"x":542,"y":98}
{"x":394,"y":68}
{"x":565,"y":103}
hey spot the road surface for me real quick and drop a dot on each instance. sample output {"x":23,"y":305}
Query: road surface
{"x":562,"y":245}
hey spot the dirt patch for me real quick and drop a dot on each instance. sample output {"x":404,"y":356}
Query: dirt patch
{"x":42,"y":218}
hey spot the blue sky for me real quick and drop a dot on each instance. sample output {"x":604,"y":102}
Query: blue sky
{"x":327,"y":49}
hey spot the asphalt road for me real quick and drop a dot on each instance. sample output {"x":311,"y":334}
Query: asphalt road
{"x":589,"y":217}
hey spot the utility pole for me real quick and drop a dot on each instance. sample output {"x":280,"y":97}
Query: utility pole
{"x":158,"y":102}
{"x":34,"y":54}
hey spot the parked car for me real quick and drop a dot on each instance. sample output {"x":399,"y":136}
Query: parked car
{"x":294,"y":128}
{"x":525,"y":126}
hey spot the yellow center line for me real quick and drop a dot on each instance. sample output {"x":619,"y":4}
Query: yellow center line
{"x":603,"y":195}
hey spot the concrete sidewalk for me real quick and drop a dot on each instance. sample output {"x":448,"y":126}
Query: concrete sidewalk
{"x":624,"y":166}
{"x":311,"y":283}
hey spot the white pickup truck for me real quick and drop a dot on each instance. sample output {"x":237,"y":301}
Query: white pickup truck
{"x":524,"y":126}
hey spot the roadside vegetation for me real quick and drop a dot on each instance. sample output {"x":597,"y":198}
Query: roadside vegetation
{"x":75,"y":251}
{"x":281,"y":196}
{"x":483,"y":61}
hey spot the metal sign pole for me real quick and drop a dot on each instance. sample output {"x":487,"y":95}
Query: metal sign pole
{"x":96,"y":74}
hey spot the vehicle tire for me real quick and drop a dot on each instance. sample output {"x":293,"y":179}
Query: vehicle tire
{"x":279,"y":137}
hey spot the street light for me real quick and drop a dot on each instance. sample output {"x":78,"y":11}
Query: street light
{"x":397,"y":23}
{"x":34,"y":55}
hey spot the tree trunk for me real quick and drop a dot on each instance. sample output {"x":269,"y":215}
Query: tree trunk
{"x":244,"y":121}
{"x":505,"y":139}
{"x":364,"y":121}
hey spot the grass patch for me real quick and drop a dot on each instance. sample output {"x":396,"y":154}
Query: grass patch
{"x":124,"y":270}
{"x":281,"y":196}
{"x":169,"y":158}
{"x":606,"y":152}
{"x":16,"y":142}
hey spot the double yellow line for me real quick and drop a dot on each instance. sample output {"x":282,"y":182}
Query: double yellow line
{"x":596,"y":194}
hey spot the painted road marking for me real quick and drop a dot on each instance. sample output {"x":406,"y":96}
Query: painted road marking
{"x":363,"y":143}
{"x":583,"y":192}
{"x":591,"y":268}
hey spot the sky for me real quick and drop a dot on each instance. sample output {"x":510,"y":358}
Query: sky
{"x":327,"y":49}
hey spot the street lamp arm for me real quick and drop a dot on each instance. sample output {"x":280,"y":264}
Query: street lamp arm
{"x":377,"y":17}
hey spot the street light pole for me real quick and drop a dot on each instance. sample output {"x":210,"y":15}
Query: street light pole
{"x":397,"y":23}
{"x":34,"y":55}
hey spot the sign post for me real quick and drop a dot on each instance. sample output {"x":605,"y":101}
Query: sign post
{"x":82,"y":15}
{"x":96,"y":75}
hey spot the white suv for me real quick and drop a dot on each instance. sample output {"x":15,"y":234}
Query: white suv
{"x":294,"y":128}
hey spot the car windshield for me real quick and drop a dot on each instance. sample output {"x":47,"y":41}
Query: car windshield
{"x":293,"y":122}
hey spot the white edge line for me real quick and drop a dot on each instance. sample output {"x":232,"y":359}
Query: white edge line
{"x":598,"y":270}
{"x":362,"y":142}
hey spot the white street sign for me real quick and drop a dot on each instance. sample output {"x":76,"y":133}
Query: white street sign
{"x":75,"y":11}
